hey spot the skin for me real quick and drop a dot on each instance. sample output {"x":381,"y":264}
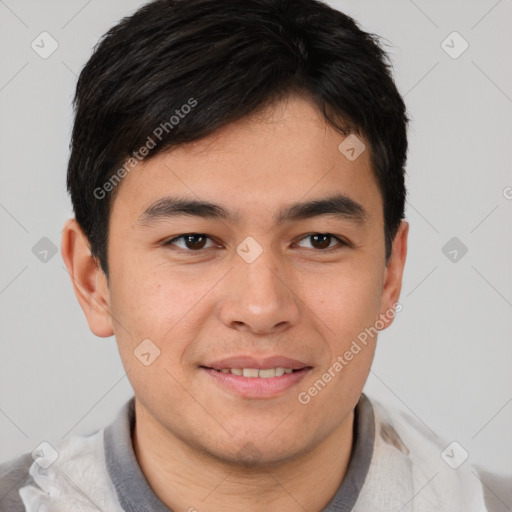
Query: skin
{"x":198,"y":444}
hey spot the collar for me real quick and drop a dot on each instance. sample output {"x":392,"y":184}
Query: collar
{"x":135,"y":494}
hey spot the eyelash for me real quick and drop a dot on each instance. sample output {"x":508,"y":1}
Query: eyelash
{"x":341,"y":242}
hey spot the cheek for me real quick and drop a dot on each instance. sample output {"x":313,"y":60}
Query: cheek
{"x":347,"y":303}
{"x":148,"y":307}
{"x":147,"y":299}
{"x":347,"y":308}
{"x":160,"y":306}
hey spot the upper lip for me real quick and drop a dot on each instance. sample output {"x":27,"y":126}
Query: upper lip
{"x":261,"y":363}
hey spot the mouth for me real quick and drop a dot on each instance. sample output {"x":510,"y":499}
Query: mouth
{"x":254,"y":382}
{"x":261,"y":373}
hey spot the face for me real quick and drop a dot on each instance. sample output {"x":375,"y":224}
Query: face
{"x":259,"y":247}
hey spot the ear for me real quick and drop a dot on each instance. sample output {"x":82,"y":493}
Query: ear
{"x":88,"y":279}
{"x":393,"y":273}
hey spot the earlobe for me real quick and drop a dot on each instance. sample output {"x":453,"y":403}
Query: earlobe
{"x":393,"y":274}
{"x":87,"y":278}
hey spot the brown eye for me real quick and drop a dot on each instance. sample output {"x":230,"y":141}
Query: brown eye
{"x":323,"y":241}
{"x":195,"y":241}
{"x":190,"y":241}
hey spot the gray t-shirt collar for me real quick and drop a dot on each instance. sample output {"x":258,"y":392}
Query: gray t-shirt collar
{"x":135,"y":494}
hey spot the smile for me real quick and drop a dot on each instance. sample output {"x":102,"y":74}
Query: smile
{"x":255,"y":382}
{"x":266,"y":373}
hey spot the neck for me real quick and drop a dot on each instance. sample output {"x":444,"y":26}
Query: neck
{"x":185,"y":478}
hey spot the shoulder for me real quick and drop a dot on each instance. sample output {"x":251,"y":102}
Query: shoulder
{"x":14,"y":474}
{"x":441,"y":468}
{"x":68,"y":475}
{"x":497,"y":491}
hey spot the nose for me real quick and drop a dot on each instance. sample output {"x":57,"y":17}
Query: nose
{"x":259,"y":297}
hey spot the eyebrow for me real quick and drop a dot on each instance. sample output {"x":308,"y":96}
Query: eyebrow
{"x":339,"y":205}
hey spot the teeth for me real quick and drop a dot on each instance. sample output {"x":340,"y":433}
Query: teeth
{"x":255,"y":372}
{"x":250,"y":372}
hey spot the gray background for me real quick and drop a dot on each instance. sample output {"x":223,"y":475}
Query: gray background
{"x":446,"y":359}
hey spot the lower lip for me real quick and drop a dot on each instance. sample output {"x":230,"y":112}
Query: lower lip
{"x":257,"y":387}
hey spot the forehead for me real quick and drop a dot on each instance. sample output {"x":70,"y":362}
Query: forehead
{"x":286,"y":154}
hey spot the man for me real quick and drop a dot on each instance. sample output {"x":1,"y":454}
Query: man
{"x":237,"y":178}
